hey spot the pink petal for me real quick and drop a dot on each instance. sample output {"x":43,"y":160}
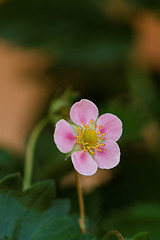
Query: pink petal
{"x":83,"y":111}
{"x":111,"y":126}
{"x":84,"y":163}
{"x":109,"y":157}
{"x":64,"y":136}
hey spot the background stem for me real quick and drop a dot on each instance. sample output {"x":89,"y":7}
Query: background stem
{"x":29,"y":158}
{"x":81,"y":203}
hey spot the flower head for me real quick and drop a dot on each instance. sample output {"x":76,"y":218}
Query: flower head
{"x":90,"y":140}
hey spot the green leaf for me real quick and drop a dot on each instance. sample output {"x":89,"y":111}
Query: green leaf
{"x":35,"y":214}
{"x":141,"y":236}
{"x":11,"y":183}
{"x":113,"y":235}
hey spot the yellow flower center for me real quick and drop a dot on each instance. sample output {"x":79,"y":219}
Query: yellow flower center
{"x":90,"y":137}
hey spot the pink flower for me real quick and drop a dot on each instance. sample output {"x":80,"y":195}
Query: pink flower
{"x":91,"y":141}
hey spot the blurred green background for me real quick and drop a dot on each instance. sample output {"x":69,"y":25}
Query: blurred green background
{"x":53,"y":53}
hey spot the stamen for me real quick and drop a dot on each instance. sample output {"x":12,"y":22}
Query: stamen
{"x":102,"y":144}
{"x":89,"y":137}
{"x":99,"y":149}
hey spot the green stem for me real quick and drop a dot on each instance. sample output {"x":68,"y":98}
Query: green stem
{"x":29,"y":158}
{"x":81,"y":204}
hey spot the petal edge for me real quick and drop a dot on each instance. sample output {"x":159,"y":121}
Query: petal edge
{"x":64,"y":136}
{"x":84,"y":163}
{"x":109,"y":157}
{"x":111,"y":126}
{"x":83,"y":111}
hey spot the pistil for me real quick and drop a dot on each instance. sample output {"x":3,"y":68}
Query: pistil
{"x":90,"y":138}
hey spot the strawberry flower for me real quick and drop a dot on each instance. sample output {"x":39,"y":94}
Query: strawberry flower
{"x":91,"y":142}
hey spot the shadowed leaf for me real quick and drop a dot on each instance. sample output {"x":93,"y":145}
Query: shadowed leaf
{"x":35,"y":214}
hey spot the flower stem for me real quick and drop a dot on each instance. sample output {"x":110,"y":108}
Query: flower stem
{"x":29,"y":158}
{"x":81,"y":203}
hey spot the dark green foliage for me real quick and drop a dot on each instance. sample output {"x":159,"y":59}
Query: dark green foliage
{"x":147,"y":4}
{"x":140,"y":217}
{"x":141,"y":236}
{"x":9,"y":163}
{"x":76,"y":33}
{"x":35,"y":213}
{"x":113,"y":235}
